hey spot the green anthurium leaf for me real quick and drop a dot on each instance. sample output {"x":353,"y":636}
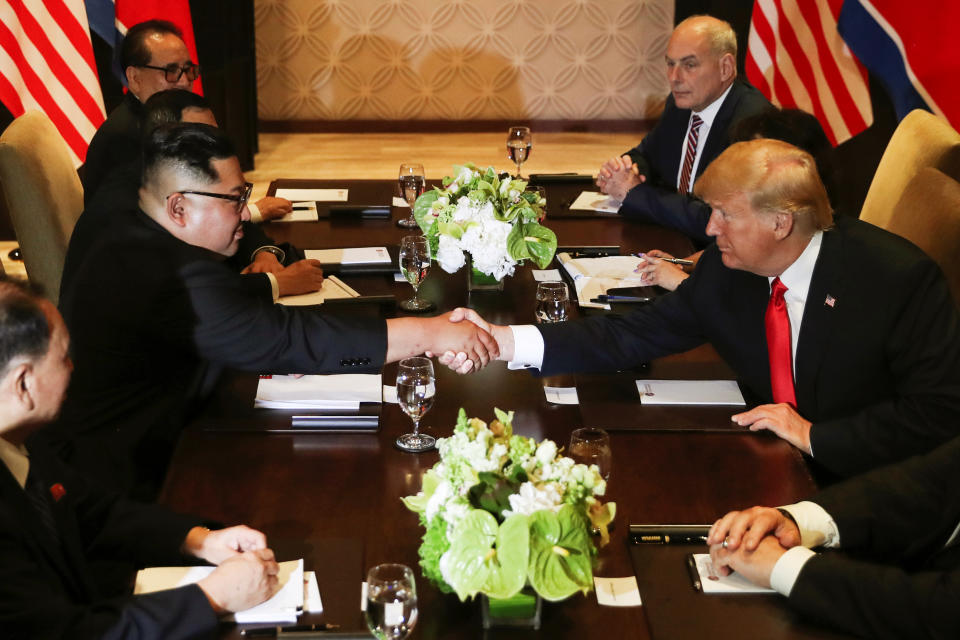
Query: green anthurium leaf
{"x":508,"y":564}
{"x":465,"y":563}
{"x":535,"y":240}
{"x":418,"y":503}
{"x":422,"y":207}
{"x":560,"y":553}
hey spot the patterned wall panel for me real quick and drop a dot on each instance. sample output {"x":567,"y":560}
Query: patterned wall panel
{"x":461,"y":59}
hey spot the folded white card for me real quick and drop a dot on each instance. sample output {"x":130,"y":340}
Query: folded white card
{"x":314,"y":195}
{"x":354,"y":255}
{"x":617,"y":592}
{"x":595,"y":201}
{"x":400,"y":202}
{"x":690,"y":392}
{"x":343,"y":391}
{"x":546,"y":275}
{"x":713,"y":582}
{"x":561,"y":395}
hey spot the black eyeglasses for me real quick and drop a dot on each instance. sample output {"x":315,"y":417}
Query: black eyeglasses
{"x":241,"y":200}
{"x":173,"y":71}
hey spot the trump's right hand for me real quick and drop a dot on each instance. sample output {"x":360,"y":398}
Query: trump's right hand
{"x":242,"y":581}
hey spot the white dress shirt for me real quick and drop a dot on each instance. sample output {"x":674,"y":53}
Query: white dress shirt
{"x":817,"y":529}
{"x":708,"y":115}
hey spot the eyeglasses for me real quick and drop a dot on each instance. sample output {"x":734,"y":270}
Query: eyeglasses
{"x":173,"y":71}
{"x":241,"y":200}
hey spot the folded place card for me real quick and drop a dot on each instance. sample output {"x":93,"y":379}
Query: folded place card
{"x":400,"y":202}
{"x":313,"y":195}
{"x":344,"y":391}
{"x":712,"y":582}
{"x":690,"y":392}
{"x":546,"y":275}
{"x":617,"y":592}
{"x":595,"y":201}
{"x":354,"y":255}
{"x":561,"y":395}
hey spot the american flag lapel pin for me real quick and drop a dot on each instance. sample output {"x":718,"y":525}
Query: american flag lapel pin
{"x":830,"y":301}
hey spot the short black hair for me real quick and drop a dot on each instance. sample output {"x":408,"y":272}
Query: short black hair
{"x":187,"y":146}
{"x":24,"y":330}
{"x":134,"y":51}
{"x":166,"y":107}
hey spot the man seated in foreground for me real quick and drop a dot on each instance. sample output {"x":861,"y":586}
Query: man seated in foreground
{"x":847,"y":337}
{"x":654,"y":179}
{"x":899,"y":525}
{"x":53,"y":521}
{"x":156,"y":315}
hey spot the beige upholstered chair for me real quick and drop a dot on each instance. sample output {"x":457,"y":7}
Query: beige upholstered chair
{"x":43,"y":193}
{"x":921,"y":140}
{"x":928,"y":215}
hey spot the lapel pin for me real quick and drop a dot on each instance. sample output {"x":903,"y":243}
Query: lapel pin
{"x":830,"y":301}
{"x":57,"y":491}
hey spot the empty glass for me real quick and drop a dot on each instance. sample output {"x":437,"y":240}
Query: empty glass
{"x":590,"y":445}
{"x":390,"y":607}
{"x":519,"y":145}
{"x":553,"y":301}
{"x":416,"y":390}
{"x":414,"y":265}
{"x":413,"y":182}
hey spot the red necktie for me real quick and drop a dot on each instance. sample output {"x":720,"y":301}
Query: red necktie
{"x":691,"y":153}
{"x":779,"y":345}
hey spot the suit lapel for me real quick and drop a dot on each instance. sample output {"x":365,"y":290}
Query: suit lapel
{"x":680,"y":119}
{"x":719,"y":135}
{"x":819,"y":314}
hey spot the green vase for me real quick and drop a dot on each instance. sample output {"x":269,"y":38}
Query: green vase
{"x":520,"y":611}
{"x":479,"y":281}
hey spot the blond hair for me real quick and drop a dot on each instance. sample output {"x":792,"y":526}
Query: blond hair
{"x":775,"y":177}
{"x":719,"y":34}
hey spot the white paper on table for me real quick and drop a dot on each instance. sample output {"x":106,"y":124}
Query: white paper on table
{"x":595,"y":201}
{"x":342,"y":391}
{"x":690,"y":392}
{"x":311,"y":593}
{"x":399,"y":277}
{"x":306,"y":215}
{"x":617,"y":592}
{"x":400,"y":202}
{"x":329,"y":290}
{"x":281,"y":608}
{"x":353,"y":255}
{"x":713,"y":582}
{"x":595,"y":276}
{"x":313,"y":195}
{"x":547,"y":275}
{"x":390,"y":394}
{"x":561,"y":395}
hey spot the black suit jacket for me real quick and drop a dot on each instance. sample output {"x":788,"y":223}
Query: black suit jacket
{"x":45,"y":584}
{"x":115,"y":144}
{"x":659,"y":154}
{"x":897,"y":580}
{"x":878,"y":372}
{"x":153,"y":321}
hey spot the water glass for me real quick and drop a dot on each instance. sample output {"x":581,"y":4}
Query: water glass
{"x":519,"y":146}
{"x":590,"y":445}
{"x":413,"y":182}
{"x":390,"y":607}
{"x":414,"y":265}
{"x":416,"y":391}
{"x":553,"y":302}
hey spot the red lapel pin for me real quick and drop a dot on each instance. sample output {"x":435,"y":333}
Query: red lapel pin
{"x":57,"y":491}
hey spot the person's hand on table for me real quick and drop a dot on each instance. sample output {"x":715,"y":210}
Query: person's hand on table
{"x":780,"y":418}
{"x":303,"y":276}
{"x":655,"y":271}
{"x":503,"y":337}
{"x":264,"y":262}
{"x":242,"y":581}
{"x":615,"y":173}
{"x":272,"y":208}
{"x":756,"y":566}
{"x":218,"y":545}
{"x":750,"y":542}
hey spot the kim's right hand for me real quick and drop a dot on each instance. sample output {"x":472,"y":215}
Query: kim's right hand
{"x":304,"y":276}
{"x":242,"y":581}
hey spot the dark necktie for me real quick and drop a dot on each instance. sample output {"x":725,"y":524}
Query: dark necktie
{"x":690,"y":154}
{"x":779,"y":345}
{"x":40,"y":498}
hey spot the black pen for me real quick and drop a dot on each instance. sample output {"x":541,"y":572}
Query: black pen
{"x":678,"y":261}
{"x":603,"y":299}
{"x":302,"y":208}
{"x":694,"y":574}
{"x":261,"y":632}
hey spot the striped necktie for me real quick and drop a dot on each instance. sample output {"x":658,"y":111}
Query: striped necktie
{"x":691,"y":153}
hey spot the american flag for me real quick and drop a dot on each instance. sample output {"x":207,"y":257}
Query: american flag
{"x":796,"y":57}
{"x":46,"y":64}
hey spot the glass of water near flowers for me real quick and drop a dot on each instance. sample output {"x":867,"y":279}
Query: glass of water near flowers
{"x":390,"y":606}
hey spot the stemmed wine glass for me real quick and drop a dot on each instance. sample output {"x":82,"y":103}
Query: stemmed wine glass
{"x":413,"y":182}
{"x":416,"y":390}
{"x":592,"y":446}
{"x":414,"y":265}
{"x":391,"y":604}
{"x":519,"y":144}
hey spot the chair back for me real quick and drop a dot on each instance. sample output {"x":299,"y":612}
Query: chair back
{"x":928,"y":215}
{"x":921,"y":140}
{"x":44,"y":196}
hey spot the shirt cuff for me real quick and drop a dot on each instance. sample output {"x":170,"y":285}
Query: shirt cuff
{"x":255,"y":215}
{"x":817,"y":528}
{"x":787,"y":568}
{"x":527,"y":347}
{"x":274,"y":286}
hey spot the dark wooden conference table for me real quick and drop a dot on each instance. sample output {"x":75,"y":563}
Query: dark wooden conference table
{"x":334,"y":500}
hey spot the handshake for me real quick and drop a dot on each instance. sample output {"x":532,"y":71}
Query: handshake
{"x":465,"y":342}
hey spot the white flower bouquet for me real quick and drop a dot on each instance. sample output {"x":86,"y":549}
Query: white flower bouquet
{"x":502,"y":511}
{"x":496,"y":221}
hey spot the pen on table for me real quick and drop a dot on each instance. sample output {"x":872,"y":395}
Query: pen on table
{"x":276,"y":631}
{"x":694,"y":574}
{"x":603,"y":298}
{"x":343,"y":285}
{"x":683,"y":262}
{"x":302,"y":208}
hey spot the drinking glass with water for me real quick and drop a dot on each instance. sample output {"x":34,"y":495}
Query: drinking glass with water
{"x":553,"y":301}
{"x":391,"y":602}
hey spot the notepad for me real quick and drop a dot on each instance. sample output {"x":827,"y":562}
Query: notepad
{"x":343,"y":391}
{"x":690,"y":392}
{"x":712,"y":582}
{"x":331,"y":289}
{"x":353,"y":255}
{"x":595,"y":276}
{"x":283,"y":607}
{"x":595,"y":201}
{"x":301,"y":214}
{"x":313,"y":195}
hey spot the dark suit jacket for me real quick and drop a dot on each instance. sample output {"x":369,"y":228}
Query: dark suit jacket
{"x":153,"y":321}
{"x":115,"y":144}
{"x":659,"y":154}
{"x":878,"y":373}
{"x":897,"y":581}
{"x":45,"y":586}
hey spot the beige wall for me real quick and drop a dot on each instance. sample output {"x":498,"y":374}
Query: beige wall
{"x":461,"y":59}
